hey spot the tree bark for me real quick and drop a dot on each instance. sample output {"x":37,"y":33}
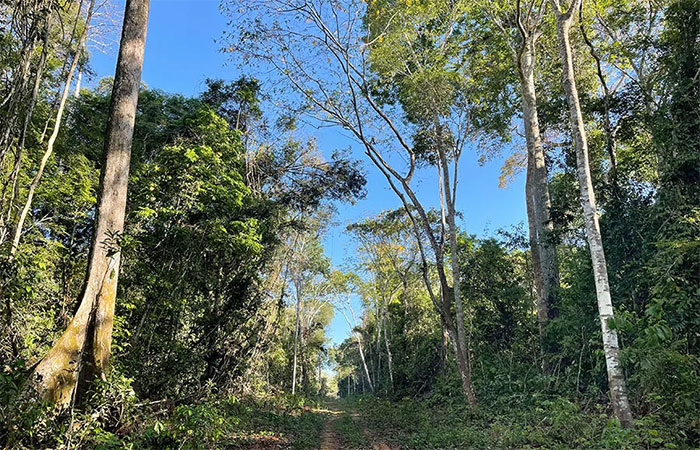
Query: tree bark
{"x":616,"y":379}
{"x":76,"y":92}
{"x":83,"y":350}
{"x":542,"y":312}
{"x":364,"y":362}
{"x":390,"y":363}
{"x":462,"y":348}
{"x":296,"y":337}
{"x":540,"y":188}
{"x":378,"y":341}
{"x":543,"y":247}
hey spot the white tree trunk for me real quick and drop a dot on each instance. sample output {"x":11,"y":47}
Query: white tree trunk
{"x":296,"y":337}
{"x":616,"y":379}
{"x":378,"y":342}
{"x":358,"y":338}
{"x":390,"y":362}
{"x":76,"y":92}
{"x":364,"y":361}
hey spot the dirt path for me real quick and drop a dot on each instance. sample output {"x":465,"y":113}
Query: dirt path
{"x":332,"y":440}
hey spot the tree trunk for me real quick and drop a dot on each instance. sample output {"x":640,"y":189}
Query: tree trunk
{"x":76,"y":92}
{"x":390,"y":363}
{"x":540,"y":301}
{"x":543,"y":247}
{"x":462,"y":350}
{"x":296,"y":338}
{"x":542,"y":312}
{"x":616,"y":379}
{"x":542,"y":204}
{"x":84,"y":348}
{"x":364,"y":362}
{"x":378,"y":342}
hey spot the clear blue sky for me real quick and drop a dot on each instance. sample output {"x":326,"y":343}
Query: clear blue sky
{"x":181,"y":52}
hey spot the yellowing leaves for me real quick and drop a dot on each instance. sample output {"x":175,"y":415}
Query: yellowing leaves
{"x":191,"y":155}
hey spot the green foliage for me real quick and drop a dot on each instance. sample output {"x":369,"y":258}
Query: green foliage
{"x":525,"y":422}
{"x":204,"y":230}
{"x":224,"y":239}
{"x":117,"y":421}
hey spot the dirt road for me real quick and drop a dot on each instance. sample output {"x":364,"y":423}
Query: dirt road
{"x":343,"y":430}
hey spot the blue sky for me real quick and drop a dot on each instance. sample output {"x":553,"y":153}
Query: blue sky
{"x":181,"y":52}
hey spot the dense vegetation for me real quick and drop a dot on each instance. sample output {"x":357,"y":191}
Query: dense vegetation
{"x":224,"y":292}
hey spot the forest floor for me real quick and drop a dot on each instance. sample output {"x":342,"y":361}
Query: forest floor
{"x":359,"y":423}
{"x":343,"y":429}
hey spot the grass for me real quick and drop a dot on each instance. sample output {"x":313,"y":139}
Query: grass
{"x":350,"y":431}
{"x":441,"y":422}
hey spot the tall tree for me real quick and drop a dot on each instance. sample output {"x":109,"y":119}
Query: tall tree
{"x":616,"y":378}
{"x":353,"y":76}
{"x":307,"y":264}
{"x":84,"y":348}
{"x":387,"y":263}
{"x":528,"y":17}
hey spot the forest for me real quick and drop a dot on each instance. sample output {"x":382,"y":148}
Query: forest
{"x":170,"y":274}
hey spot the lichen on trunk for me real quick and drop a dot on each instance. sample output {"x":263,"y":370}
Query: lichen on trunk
{"x":83,"y":350}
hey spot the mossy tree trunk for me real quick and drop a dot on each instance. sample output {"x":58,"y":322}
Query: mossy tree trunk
{"x":83,"y":350}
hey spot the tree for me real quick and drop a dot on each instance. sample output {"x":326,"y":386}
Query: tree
{"x":308,"y":263}
{"x":340,"y":290}
{"x":528,"y":17}
{"x":387,"y":260}
{"x":83,"y":350}
{"x":616,"y":379}
{"x":341,"y":74}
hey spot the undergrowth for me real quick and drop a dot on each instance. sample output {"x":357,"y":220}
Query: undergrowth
{"x":544,"y":423}
{"x":114,"y":418}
